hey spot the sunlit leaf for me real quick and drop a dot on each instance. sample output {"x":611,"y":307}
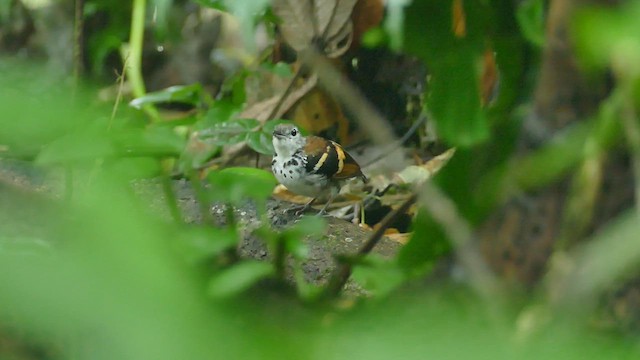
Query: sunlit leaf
{"x":186,"y":94}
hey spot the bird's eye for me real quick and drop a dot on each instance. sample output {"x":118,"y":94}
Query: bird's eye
{"x":294,"y":132}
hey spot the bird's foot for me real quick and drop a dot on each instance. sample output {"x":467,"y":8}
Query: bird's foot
{"x":298,"y":210}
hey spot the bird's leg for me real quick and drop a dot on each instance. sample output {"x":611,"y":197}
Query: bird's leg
{"x":299,"y":209}
{"x":324,"y":208}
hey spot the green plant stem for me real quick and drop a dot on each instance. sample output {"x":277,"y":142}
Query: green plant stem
{"x":133,"y":56}
{"x":170,"y":198}
{"x":78,"y":39}
{"x":201,"y":198}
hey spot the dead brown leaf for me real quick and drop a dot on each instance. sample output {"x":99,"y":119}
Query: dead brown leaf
{"x":261,"y":110}
{"x":366,"y":15}
{"x":400,"y":238}
{"x":318,"y":112}
{"x":304,"y":22}
{"x":418,"y":174}
{"x":280,"y":192}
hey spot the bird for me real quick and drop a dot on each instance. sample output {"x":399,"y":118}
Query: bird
{"x":310,"y":165}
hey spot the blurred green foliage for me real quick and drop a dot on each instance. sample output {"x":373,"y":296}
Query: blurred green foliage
{"x":116,"y":281}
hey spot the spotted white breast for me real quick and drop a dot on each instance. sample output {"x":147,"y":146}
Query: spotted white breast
{"x":291,"y":172}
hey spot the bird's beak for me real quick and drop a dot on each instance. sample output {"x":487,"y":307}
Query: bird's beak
{"x":278,"y":134}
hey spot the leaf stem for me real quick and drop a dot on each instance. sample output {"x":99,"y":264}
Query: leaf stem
{"x":133,"y":55}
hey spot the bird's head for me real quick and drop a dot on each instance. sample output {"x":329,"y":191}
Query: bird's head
{"x":287,"y":140}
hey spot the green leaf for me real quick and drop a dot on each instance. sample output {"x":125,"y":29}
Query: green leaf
{"x":378,"y":276}
{"x":239,"y":184}
{"x":80,"y":146}
{"x":454,"y":100}
{"x":214,"y":4}
{"x":260,"y":142}
{"x":280,"y":68}
{"x":199,"y":244}
{"x":604,"y":35}
{"x":294,"y":235}
{"x":306,"y":226}
{"x":161,"y":10}
{"x":187,"y":94}
{"x":229,"y":132}
{"x":530,"y":15}
{"x":196,"y":155}
{"x":221,"y":111}
{"x":136,"y":167}
{"x":427,"y":245}
{"x":454,"y":91}
{"x":153,"y":140}
{"x":238,"y":278}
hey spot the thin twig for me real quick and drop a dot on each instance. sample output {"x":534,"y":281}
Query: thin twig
{"x":460,"y":233}
{"x":121,"y":78}
{"x":343,"y":271}
{"x":170,"y":198}
{"x":286,"y":93}
{"x":201,"y":197}
{"x":399,"y":143}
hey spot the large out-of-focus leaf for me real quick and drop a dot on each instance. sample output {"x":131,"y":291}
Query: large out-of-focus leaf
{"x":427,"y":244}
{"x":77,"y":147}
{"x":198,"y":244}
{"x":604,"y":35}
{"x":530,"y":15}
{"x":454,"y":96}
{"x":378,"y":276}
{"x":238,"y":278}
{"x":153,"y":140}
{"x":294,"y":235}
{"x":237,"y":185}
